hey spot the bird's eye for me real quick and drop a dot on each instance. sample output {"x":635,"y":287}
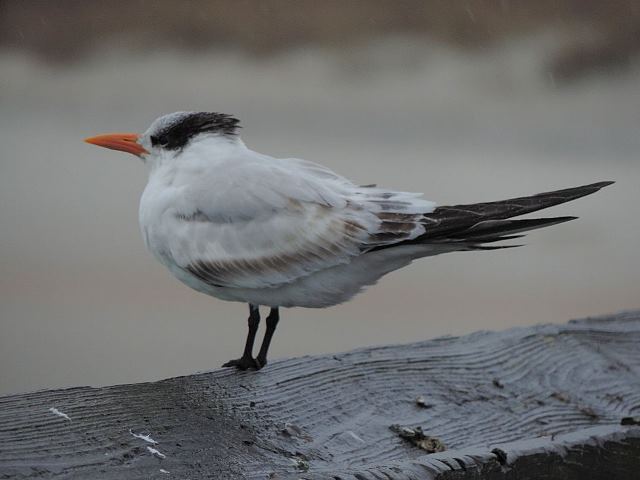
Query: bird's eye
{"x":161,"y":140}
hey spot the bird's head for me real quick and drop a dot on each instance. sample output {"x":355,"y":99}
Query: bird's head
{"x":170,"y":134}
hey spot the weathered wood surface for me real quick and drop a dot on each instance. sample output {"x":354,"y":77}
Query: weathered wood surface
{"x":539,"y":402}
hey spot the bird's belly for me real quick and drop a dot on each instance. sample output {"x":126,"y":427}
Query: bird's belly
{"x":314,"y":291}
{"x":340,"y":283}
{"x":321,"y":289}
{"x":317,"y":290}
{"x":330,"y":286}
{"x":294,"y":294}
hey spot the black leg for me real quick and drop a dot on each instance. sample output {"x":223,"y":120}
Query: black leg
{"x":272,"y":323}
{"x":247,"y":361}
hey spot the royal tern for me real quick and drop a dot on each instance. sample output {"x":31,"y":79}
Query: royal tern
{"x":246,"y":227}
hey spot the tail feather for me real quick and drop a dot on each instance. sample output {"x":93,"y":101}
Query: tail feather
{"x":477,"y":236}
{"x":490,"y":230}
{"x":447,"y":220}
{"x":470,"y":226}
{"x":490,"y":247}
{"x":501,"y":238}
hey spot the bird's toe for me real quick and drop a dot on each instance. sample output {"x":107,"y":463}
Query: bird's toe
{"x":260,"y":362}
{"x":243,"y":363}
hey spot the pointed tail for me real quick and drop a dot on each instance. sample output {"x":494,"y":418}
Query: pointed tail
{"x":479,"y":223}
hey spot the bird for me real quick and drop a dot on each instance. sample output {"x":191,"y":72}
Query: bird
{"x":270,"y":232}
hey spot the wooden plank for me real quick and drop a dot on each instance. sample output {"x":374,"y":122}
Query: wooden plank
{"x":539,"y":402}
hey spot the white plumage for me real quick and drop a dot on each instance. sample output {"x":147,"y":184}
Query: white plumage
{"x":243,"y":226}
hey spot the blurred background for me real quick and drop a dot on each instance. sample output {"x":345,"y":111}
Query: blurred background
{"x":466,"y":101}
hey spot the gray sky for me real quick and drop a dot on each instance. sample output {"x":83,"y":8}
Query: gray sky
{"x":82,"y":302}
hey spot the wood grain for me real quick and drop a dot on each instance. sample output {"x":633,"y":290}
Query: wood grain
{"x":546,"y":400}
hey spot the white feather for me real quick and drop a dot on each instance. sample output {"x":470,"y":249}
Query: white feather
{"x":244,"y":226}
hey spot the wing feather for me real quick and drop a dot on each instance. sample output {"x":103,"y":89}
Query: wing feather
{"x":268,"y":223}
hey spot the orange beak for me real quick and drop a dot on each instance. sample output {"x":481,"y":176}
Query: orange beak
{"x":125,"y":142}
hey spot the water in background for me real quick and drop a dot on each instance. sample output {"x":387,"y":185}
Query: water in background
{"x":82,"y":302}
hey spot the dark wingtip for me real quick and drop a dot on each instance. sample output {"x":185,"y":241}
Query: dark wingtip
{"x":600,"y":185}
{"x":547,"y":221}
{"x":492,"y":247}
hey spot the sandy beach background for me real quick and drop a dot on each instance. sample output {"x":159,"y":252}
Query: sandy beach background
{"x":534,"y":103}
